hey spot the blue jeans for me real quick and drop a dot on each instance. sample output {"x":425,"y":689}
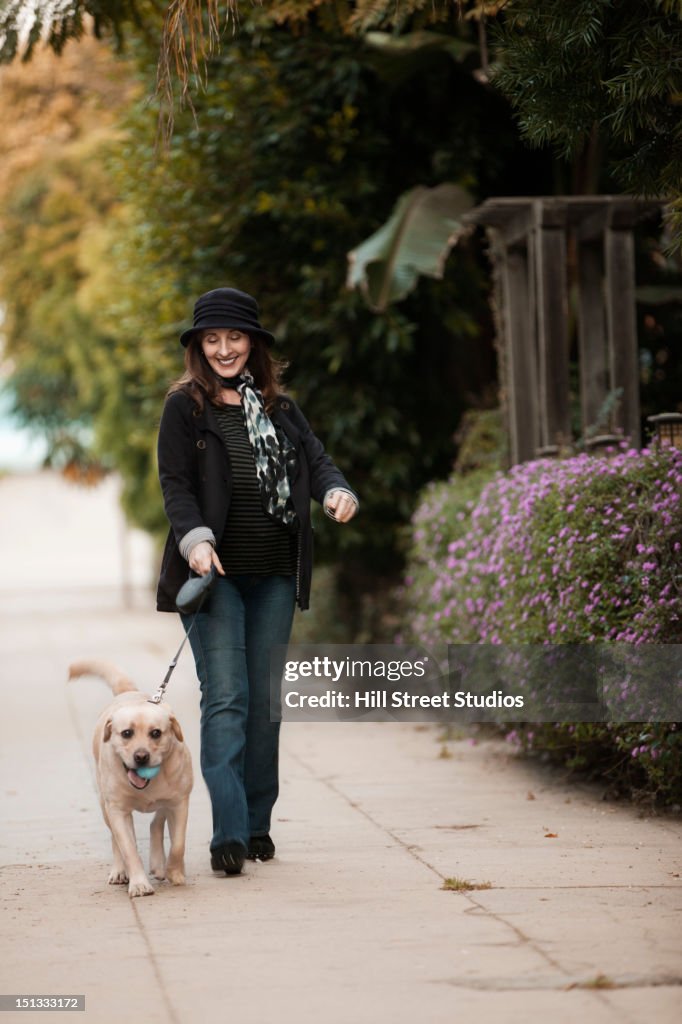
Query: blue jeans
{"x":231,"y":639}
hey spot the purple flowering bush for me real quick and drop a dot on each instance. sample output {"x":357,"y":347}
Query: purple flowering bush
{"x":577,"y":550}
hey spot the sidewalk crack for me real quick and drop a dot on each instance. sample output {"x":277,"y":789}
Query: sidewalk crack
{"x":172,"y":1016}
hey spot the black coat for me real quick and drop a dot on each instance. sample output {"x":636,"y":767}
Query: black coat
{"x":195,"y":475}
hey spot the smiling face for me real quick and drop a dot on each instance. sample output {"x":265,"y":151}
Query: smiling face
{"x":226,"y":350}
{"x":141,"y":737}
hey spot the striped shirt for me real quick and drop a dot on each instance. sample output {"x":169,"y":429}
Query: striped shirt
{"x":252,"y":541}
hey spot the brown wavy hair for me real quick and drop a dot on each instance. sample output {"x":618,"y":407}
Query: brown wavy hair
{"x":200,"y":382}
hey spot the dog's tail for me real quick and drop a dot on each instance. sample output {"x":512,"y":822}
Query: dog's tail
{"x":116,"y":679}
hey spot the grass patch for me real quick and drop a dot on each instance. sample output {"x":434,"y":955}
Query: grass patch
{"x":463,"y":885}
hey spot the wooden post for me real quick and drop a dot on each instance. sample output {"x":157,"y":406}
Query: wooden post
{"x":531,"y":253}
{"x":549,"y":244}
{"x":621,"y":324}
{"x":520,"y":347}
{"x":592,"y":347}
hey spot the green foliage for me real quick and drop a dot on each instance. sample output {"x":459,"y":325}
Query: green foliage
{"x":54,"y":344}
{"x":579,"y":550}
{"x":599,"y":68}
{"x":290,"y":160}
{"x":593,"y":78}
{"x":482,"y":439}
{"x":416,"y":239}
{"x":639,"y":761}
{"x":22,"y":27}
{"x":300,"y":146}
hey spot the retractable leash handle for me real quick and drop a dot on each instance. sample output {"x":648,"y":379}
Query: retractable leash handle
{"x":191,"y":597}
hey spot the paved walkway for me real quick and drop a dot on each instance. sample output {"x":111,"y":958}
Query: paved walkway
{"x":350,"y":924}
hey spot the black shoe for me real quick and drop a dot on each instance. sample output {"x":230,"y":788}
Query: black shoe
{"x":229,"y":858}
{"x":261,"y":848}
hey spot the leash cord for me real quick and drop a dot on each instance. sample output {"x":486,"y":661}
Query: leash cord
{"x":158,"y":696}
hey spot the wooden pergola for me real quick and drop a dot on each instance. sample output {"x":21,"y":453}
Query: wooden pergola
{"x":531,"y":239}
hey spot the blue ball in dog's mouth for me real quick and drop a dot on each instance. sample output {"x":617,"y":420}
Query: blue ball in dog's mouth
{"x":150,"y":772}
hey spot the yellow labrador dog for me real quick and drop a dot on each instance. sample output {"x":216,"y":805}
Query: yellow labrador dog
{"x":132,"y":738}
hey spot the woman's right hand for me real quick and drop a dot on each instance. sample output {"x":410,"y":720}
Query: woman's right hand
{"x":202,"y":557}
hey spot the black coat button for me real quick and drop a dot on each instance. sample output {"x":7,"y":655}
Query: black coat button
{"x":201,"y":444}
{"x":284,"y":405}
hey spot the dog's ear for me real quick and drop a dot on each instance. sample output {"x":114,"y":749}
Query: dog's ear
{"x":106,"y":735}
{"x":177,"y":731}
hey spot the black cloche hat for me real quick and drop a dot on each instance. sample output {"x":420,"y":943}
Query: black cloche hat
{"x":226,"y":307}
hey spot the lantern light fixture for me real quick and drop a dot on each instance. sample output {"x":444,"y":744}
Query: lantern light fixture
{"x":668,"y":428}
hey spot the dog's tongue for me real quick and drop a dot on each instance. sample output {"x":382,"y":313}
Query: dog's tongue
{"x":137,"y":782}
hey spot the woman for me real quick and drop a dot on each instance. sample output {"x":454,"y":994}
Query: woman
{"x":238,"y":465}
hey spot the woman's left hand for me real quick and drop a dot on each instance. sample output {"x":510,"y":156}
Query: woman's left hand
{"x":340,"y":505}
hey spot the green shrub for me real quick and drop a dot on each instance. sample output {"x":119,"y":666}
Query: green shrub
{"x":577,"y":550}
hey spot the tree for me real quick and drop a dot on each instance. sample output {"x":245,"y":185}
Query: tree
{"x":599,"y":80}
{"x":299,"y":146}
{"x":290,"y":159}
{"x":55,"y":198}
{"x":599,"y":77}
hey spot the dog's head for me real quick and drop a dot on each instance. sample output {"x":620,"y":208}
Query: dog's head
{"x":142,"y":735}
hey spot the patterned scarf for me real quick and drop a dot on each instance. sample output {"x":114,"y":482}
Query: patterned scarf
{"x":273,"y":453}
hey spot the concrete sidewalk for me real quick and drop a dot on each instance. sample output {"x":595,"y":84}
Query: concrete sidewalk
{"x":349,"y":923}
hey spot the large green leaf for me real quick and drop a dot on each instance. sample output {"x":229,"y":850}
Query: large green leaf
{"x":417,"y":239}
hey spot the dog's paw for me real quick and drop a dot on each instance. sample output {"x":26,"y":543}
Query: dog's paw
{"x":176,"y":876}
{"x":157,"y":871}
{"x":117,"y":876}
{"x":142,"y":888}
